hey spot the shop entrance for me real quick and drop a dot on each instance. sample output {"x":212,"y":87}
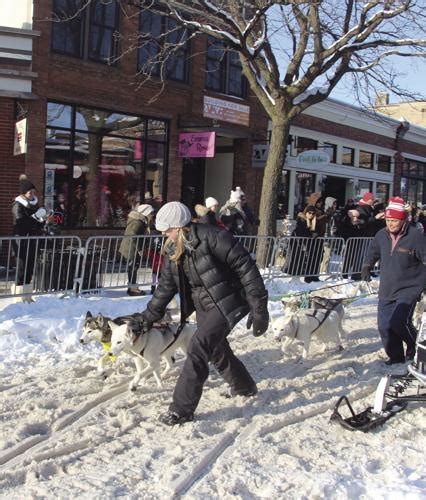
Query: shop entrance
{"x":193,"y":174}
{"x":336,"y":188}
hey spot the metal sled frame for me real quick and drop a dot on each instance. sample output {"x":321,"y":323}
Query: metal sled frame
{"x":367,"y":419}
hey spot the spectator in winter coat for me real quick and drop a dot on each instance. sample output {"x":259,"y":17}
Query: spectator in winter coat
{"x":369,"y":222}
{"x":235,"y":215}
{"x":209,"y":269}
{"x":28,"y":220}
{"x":401,"y":249}
{"x":316,"y":200}
{"x":138,"y":224}
{"x":305,"y":255}
{"x":204,"y":215}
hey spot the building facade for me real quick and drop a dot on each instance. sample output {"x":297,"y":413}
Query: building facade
{"x":106,"y":128}
{"x":344,"y":151}
{"x":98,"y":126}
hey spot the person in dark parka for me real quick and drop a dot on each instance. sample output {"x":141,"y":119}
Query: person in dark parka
{"x":216,"y":277}
{"x":28,"y":220}
{"x":401,"y":250}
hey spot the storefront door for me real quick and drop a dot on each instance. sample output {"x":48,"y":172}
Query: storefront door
{"x":193,"y":173}
{"x":336,"y":188}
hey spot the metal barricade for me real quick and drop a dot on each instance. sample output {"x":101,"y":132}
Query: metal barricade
{"x":45,"y":263}
{"x":309,"y":257}
{"x":262,"y":250}
{"x":104,"y":266}
{"x":355,"y":252}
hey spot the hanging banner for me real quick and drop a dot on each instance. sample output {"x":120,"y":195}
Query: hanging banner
{"x":197,"y":144}
{"x":20,"y":142}
{"x":227,"y":111}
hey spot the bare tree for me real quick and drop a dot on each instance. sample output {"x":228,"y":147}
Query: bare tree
{"x":295,"y":52}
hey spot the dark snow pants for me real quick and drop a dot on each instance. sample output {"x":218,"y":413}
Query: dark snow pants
{"x":395,"y":327}
{"x":209,"y":343}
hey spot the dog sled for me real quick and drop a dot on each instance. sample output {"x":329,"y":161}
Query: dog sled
{"x":392,"y":395}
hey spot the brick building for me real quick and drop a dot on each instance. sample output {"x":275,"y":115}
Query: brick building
{"x":100,"y":138}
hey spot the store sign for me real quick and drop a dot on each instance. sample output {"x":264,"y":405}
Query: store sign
{"x":20,"y":142}
{"x":227,"y":111}
{"x":259,"y":155}
{"x":313,"y":158}
{"x":197,"y":144}
{"x":49,"y":188}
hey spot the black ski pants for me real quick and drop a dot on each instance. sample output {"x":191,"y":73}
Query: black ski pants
{"x":395,"y":327}
{"x":209,"y":343}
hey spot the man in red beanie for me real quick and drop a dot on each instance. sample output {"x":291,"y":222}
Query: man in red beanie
{"x":368,"y":225}
{"x":401,"y":250}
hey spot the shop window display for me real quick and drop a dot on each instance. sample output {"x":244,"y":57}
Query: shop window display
{"x":103,"y":164}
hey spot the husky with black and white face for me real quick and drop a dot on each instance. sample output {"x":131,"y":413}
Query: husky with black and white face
{"x":96,"y":329}
{"x":148,"y":348}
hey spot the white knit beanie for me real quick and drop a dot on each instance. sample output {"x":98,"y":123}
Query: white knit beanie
{"x":211,"y":202}
{"x":172,"y":214}
{"x":145,"y":209}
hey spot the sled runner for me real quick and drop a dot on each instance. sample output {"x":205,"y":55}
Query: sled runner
{"x":367,"y":419}
{"x":392,"y":395}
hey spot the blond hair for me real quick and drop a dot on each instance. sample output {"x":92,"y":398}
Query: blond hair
{"x":180,"y":244}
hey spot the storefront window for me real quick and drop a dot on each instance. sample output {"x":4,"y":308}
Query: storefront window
{"x":382,"y":191}
{"x":364,"y":187}
{"x":331,"y":150}
{"x":384,"y":163}
{"x":305,"y":186}
{"x":304,"y":144}
{"x":413,"y":181}
{"x":103,"y":164}
{"x":366,"y":159}
{"x":348,"y":155}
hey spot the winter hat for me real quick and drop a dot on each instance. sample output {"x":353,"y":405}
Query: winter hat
{"x":25,"y":184}
{"x":210,"y":202}
{"x":329,"y":202}
{"x":145,"y":209}
{"x":201,"y":210}
{"x":236,"y":195}
{"x":172,"y":214}
{"x":396,"y":209}
{"x":366,"y":198}
{"x":310,"y":208}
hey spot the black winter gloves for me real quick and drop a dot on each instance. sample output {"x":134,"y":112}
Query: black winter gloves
{"x":259,"y":315}
{"x":365,"y":273}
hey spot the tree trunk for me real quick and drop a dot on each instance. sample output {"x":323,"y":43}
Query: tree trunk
{"x":271,"y":180}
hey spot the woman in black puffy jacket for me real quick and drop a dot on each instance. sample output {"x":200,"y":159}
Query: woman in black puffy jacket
{"x":26,"y":222}
{"x":215,"y":276}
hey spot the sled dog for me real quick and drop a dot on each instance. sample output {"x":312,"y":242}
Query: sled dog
{"x":305,"y":324}
{"x":147,"y":348}
{"x":96,"y":329}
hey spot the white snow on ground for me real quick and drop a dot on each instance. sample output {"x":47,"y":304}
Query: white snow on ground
{"x":66,"y":434}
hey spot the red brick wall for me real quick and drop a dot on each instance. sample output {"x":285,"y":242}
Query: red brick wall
{"x":10,"y":166}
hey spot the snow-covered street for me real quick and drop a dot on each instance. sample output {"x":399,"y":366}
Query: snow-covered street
{"x":64,"y":433}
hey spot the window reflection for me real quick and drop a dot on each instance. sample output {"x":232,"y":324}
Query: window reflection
{"x":103,"y":165}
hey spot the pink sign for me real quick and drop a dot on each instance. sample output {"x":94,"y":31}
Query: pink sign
{"x":197,"y":144}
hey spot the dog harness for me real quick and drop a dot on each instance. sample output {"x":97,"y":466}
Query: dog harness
{"x":164,"y":327}
{"x":320,"y":322}
{"x":107,"y":348}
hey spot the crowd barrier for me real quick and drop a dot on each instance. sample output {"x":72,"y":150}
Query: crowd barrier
{"x":62,"y":264}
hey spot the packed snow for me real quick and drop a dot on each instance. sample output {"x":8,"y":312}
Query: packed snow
{"x":66,"y":433}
